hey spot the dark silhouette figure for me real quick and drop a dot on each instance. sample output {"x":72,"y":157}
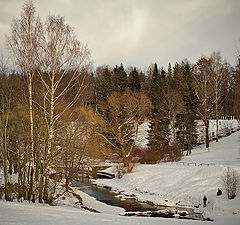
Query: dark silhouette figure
{"x":204,"y":201}
{"x":219,"y":192}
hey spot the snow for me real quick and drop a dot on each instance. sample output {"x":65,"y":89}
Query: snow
{"x":224,"y":126}
{"x":91,"y":202}
{"x":28,"y":214}
{"x":141,"y":140}
{"x":183,"y":183}
{"x":186,"y":182}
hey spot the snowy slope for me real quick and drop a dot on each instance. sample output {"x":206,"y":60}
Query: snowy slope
{"x":186,"y":184}
{"x":224,"y":127}
{"x":180,"y":183}
{"x":32,"y":214}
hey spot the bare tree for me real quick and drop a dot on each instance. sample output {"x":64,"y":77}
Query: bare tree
{"x":81,"y":144}
{"x":173,"y":106}
{"x":202,"y":72}
{"x":61,"y":61}
{"x":126,"y":112}
{"x":218,"y":78}
{"x":5,"y":103}
{"x":4,"y":61}
{"x":24,"y":41}
{"x":237,"y":89}
{"x":230,"y":181}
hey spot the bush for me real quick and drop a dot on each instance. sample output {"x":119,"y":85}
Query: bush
{"x":174,"y":152}
{"x":147,"y":155}
{"x":230,"y":182}
{"x":166,"y":153}
{"x":121,"y":170}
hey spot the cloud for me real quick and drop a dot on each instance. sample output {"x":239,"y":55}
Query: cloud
{"x":139,"y":32}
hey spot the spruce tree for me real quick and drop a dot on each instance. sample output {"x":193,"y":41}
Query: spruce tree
{"x":159,"y":127}
{"x":120,"y":78}
{"x":134,"y":80}
{"x":187,"y":120}
{"x":104,"y":88}
{"x":170,"y":78}
{"x":177,"y":74}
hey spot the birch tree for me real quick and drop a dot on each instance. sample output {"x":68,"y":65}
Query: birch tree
{"x":5,"y":102}
{"x":218,"y":80}
{"x":202,"y":74}
{"x":61,"y":62}
{"x":24,"y":42}
{"x":173,"y":106}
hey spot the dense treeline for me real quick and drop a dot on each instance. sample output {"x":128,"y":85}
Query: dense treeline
{"x":57,"y":113}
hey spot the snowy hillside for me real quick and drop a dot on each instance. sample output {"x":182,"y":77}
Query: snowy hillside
{"x":183,"y":184}
{"x":225,"y":126}
{"x":186,"y":182}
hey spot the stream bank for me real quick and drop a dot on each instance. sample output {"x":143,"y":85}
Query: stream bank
{"x":132,"y":206}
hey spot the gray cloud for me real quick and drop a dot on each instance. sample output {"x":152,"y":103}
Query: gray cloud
{"x":139,"y":32}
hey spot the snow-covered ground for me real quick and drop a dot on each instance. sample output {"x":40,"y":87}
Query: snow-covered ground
{"x":184,"y":183}
{"x":13,"y":213}
{"x":224,"y":127}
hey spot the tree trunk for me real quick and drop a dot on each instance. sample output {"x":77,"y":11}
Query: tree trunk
{"x":216,"y":118}
{"x":189,"y":142}
{"x":46,"y":187}
{"x":206,"y":133}
{"x":38,"y":159}
{"x":66,"y":171}
{"x":41,"y":185}
{"x":125,"y":158}
{"x":125,"y":162}
{"x":5,"y":160}
{"x":5,"y":172}
{"x":50,"y":140}
{"x":32,"y":179}
{"x":67,"y":183}
{"x":40,"y":198}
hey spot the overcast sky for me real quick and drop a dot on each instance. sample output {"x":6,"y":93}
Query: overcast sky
{"x":140,"y":32}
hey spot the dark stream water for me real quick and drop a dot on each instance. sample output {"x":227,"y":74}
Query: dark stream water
{"x":130,"y":204}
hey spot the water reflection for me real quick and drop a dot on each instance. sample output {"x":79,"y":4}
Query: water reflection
{"x":130,"y":204}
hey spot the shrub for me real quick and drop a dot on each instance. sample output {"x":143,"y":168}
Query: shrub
{"x":149,"y":155}
{"x":175,"y":151}
{"x":166,"y":153}
{"x":130,"y":167}
{"x":230,"y":182}
{"x":121,"y":170}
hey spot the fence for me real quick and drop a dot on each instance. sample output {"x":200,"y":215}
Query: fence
{"x":193,"y":164}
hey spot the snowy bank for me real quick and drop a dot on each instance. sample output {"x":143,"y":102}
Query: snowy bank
{"x":186,"y":184}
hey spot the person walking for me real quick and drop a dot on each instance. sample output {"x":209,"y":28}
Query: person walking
{"x":204,"y":201}
{"x":219,"y":192}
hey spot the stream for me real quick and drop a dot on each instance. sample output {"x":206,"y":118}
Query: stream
{"x":132,"y":206}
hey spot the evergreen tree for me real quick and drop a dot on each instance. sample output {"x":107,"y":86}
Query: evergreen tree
{"x":143,"y":81}
{"x":134,"y":80}
{"x":187,"y":120}
{"x":170,"y":78}
{"x":159,"y":126}
{"x":105,"y":86}
{"x":177,"y":74}
{"x":120,"y":78}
